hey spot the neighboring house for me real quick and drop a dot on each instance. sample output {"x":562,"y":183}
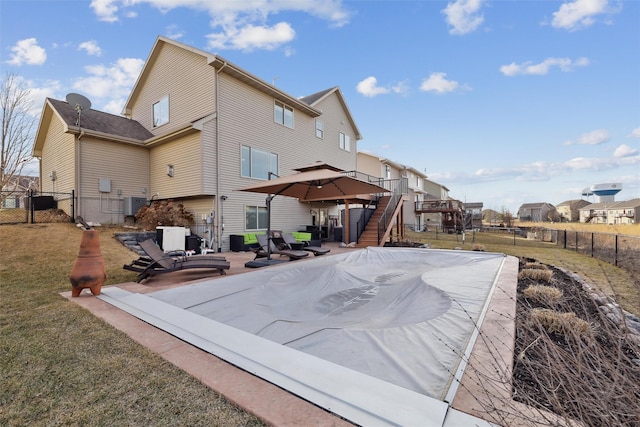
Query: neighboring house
{"x":625,"y":212}
{"x":14,"y":194}
{"x":536,"y":212}
{"x":195,"y":129}
{"x":569,"y":210}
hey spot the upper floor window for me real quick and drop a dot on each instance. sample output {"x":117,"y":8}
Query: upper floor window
{"x":387,"y":171}
{"x":319,"y":129}
{"x":283,"y":114}
{"x":161,"y":112}
{"x":257,"y":163}
{"x":345,"y":142}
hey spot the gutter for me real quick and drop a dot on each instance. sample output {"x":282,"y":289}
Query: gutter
{"x":220,"y":226}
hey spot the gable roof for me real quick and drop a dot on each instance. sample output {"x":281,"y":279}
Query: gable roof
{"x":316,"y":98}
{"x":574,"y":204}
{"x":92,"y":122}
{"x":535,"y":205}
{"x":221,"y":65}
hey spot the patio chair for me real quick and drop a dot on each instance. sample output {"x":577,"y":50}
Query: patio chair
{"x":158,"y":262}
{"x":261,"y":251}
{"x":291,"y":242}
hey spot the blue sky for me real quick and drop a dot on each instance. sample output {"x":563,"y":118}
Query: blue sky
{"x":504,"y":102}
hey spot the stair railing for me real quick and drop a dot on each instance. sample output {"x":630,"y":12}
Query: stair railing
{"x":400,"y":187}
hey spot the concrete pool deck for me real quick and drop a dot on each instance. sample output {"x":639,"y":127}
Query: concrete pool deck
{"x":276,"y":406}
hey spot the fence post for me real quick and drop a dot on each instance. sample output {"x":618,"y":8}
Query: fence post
{"x":31,"y":210}
{"x":591,"y":245}
{"x":565,"y":239}
{"x":576,"y":241}
{"x":514,"y":237}
{"x":616,"y":252}
{"x":73,"y":205}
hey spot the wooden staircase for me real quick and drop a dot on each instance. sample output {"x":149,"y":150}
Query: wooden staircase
{"x":369,"y":236}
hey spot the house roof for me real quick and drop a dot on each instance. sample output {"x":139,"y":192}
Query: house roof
{"x":535,"y":205}
{"x":92,"y":122}
{"x":314,"y":99}
{"x":573,"y":204}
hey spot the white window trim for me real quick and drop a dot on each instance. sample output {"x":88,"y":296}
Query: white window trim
{"x":153,"y":112}
{"x":285,"y":108}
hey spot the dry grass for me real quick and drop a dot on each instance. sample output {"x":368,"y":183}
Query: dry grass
{"x":61,"y":365}
{"x":628,"y":229}
{"x":560,"y":323}
{"x":547,"y":295}
{"x":535,"y":274}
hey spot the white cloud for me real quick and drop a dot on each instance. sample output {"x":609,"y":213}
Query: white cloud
{"x":581,"y":13}
{"x":91,"y":47}
{"x":542,"y":68}
{"x":625,"y":151}
{"x":595,"y":137}
{"x":600,"y":163}
{"x":110,"y":82}
{"x":28,"y":52}
{"x":253,"y":37}
{"x":173,"y":32}
{"x":463,"y":16}
{"x":635,"y":133}
{"x":369,"y":87}
{"x":437,"y":82}
{"x":105,"y":9}
{"x":242,"y":23}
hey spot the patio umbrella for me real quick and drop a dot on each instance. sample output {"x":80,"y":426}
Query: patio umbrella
{"x":312,"y":185}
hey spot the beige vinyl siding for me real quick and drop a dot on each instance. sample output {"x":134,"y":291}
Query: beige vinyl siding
{"x":209,"y":155}
{"x":245,"y":117}
{"x":58,"y":155}
{"x":186,"y":78}
{"x":127,"y":166}
{"x":123,"y":166}
{"x":369,"y":165}
{"x":185,"y":155}
{"x":335,"y":121}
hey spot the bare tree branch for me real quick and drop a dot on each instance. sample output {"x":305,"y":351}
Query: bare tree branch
{"x":18,"y":126}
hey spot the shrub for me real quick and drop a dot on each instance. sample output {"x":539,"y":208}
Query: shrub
{"x":535,"y":274}
{"x":163,"y":212}
{"x":560,"y":323}
{"x":547,"y":295}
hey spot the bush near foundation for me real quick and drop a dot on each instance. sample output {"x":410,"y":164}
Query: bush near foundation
{"x":163,"y":212}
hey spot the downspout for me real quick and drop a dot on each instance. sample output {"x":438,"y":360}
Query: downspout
{"x":217,"y":104}
{"x":77,"y":178}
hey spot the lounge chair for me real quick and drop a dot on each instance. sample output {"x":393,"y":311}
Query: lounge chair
{"x":158,"y":262}
{"x":290,"y":241}
{"x":261,"y":252}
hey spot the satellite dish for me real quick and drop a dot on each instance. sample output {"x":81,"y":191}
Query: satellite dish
{"x":78,"y":101}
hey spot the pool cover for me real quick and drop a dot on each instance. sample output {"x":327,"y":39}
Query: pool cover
{"x":405,"y":316}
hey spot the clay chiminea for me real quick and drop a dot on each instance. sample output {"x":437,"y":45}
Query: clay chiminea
{"x":88,"y":271}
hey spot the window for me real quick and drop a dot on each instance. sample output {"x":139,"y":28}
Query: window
{"x":255,"y":217}
{"x":319,"y":129}
{"x":283,"y":114}
{"x":257,"y":163}
{"x":345,"y":142}
{"x":387,"y":171}
{"x":161,"y":112}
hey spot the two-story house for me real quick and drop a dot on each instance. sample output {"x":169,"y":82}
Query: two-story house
{"x":195,"y":128}
{"x":536,"y":212}
{"x":569,"y":210}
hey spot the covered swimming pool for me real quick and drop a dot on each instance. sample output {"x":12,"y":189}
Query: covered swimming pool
{"x":377,"y":335}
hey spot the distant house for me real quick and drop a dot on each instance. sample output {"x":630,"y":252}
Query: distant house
{"x":536,"y":212}
{"x":14,"y":194}
{"x":569,"y":210}
{"x":625,"y":212}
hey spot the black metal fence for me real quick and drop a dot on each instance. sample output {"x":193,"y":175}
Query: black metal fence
{"x":23,"y":207}
{"x":618,"y":249}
